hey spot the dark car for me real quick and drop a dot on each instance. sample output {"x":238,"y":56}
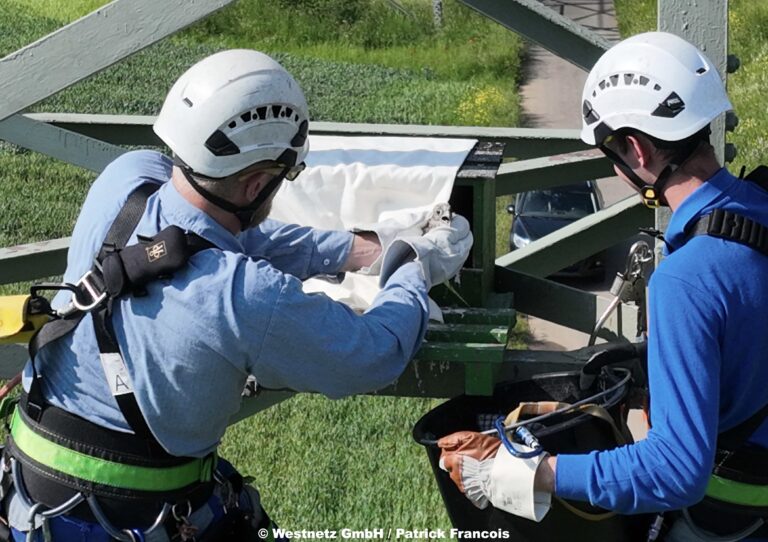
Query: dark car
{"x":540,"y":212}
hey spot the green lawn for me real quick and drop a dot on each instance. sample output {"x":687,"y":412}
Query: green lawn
{"x":319,"y":463}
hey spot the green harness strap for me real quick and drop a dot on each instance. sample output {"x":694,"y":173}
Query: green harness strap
{"x":738,"y":493}
{"x":101,"y":471}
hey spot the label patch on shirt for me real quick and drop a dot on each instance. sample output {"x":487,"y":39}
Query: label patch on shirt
{"x":116,"y":373}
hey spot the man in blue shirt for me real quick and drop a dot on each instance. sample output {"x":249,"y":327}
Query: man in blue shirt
{"x":648,"y":103}
{"x":237,"y":124}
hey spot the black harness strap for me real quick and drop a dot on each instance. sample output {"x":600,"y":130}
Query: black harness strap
{"x":119,"y":233}
{"x":119,"y":270}
{"x":732,"y":227}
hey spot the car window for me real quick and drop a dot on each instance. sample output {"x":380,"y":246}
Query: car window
{"x":560,"y":203}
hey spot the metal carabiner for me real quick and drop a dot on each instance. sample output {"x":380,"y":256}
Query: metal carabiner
{"x":101,"y":518}
{"x":639,"y":253}
{"x":524,"y":434}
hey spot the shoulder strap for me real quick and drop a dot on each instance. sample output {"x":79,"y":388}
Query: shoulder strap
{"x":759,"y":176}
{"x":732,"y":227}
{"x":119,"y":233}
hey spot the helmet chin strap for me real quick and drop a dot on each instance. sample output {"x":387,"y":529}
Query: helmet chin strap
{"x":653,"y":194}
{"x":245,"y":213}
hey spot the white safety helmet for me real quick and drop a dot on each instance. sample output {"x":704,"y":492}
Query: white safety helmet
{"x":234,"y":109}
{"x":656,"y":83}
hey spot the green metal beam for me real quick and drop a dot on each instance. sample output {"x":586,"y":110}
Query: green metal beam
{"x":566,"y":306}
{"x":431,"y":379}
{"x":71,"y":147}
{"x":262,"y":401}
{"x":588,"y":235}
{"x":12,"y":359}
{"x":33,"y":261}
{"x":91,"y":44}
{"x":549,"y":171}
{"x":115,"y":129}
{"x":520,"y":143}
{"x":543,"y":25}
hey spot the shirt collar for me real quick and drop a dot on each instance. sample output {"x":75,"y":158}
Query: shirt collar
{"x":177,"y":210}
{"x":697,"y":204}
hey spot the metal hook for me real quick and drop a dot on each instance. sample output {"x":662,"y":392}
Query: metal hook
{"x":639,"y":253}
{"x":160,"y":517}
{"x":177,"y":516}
{"x":114,"y":532}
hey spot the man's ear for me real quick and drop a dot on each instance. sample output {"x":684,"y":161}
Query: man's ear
{"x":639,"y":151}
{"x":255,"y":183}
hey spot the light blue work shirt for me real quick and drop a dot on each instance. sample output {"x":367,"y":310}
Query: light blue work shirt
{"x":191,"y":343}
{"x":707,"y":362}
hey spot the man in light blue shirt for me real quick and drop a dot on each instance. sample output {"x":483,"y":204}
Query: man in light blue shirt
{"x":237,"y":124}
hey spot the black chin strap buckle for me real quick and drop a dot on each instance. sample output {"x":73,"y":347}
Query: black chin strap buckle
{"x":651,"y":198}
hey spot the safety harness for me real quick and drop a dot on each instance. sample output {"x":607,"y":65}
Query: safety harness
{"x":62,"y":464}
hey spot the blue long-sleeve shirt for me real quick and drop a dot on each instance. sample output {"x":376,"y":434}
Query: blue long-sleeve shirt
{"x":707,"y":363}
{"x":191,"y":343}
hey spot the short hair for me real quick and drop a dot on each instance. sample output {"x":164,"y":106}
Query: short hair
{"x":669,"y":150}
{"x":226,"y":188}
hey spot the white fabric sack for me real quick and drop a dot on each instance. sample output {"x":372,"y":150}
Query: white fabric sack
{"x":358,"y":183}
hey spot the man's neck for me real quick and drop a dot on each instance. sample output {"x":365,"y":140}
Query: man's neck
{"x":689,"y":177}
{"x":225,"y":218}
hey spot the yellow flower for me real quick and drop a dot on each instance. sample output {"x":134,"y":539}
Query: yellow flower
{"x":481,"y":106}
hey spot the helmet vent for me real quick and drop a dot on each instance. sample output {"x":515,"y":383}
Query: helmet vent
{"x":232,"y":124}
{"x":656,"y":87}
{"x":188,"y":102}
{"x":701,"y":70}
{"x":644,"y":80}
{"x":276,"y":111}
{"x":246,"y":116}
{"x":628,"y":78}
{"x":614,"y":80}
{"x":261,"y":112}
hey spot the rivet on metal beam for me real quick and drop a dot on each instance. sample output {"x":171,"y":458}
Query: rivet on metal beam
{"x":731,"y":121}
{"x":733,"y":63}
{"x":730,"y":152}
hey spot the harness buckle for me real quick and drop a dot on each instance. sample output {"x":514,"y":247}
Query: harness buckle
{"x":186,"y":530}
{"x":86,"y":283}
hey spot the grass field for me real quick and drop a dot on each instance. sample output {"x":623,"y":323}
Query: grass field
{"x":319,"y":463}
